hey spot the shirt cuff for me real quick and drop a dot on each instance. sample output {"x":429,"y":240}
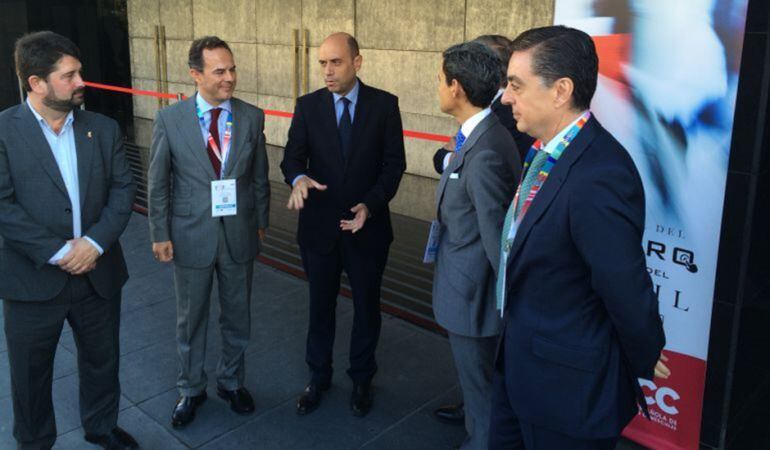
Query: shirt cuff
{"x":294,"y":181}
{"x":447,"y":157}
{"x":96,"y":246}
{"x":60,"y":254}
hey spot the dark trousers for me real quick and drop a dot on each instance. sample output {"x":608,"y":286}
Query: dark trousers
{"x":364,"y":270}
{"x":507,"y":432}
{"x":32,"y":331}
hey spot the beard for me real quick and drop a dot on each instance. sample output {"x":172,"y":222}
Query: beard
{"x":64,"y":105}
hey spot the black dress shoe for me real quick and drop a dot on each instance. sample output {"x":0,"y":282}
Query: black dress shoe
{"x":240,"y":400}
{"x":117,"y":439}
{"x":311,"y":397}
{"x":451,"y":414}
{"x":361,"y":399}
{"x":184,"y":411}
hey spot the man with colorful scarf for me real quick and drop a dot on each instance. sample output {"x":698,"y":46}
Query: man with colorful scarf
{"x":580,"y":318}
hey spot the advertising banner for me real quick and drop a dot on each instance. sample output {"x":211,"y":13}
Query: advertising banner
{"x":668,"y":75}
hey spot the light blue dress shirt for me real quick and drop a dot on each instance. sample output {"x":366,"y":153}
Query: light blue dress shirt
{"x":205,"y":108}
{"x":63,"y":149}
{"x":339,"y":106}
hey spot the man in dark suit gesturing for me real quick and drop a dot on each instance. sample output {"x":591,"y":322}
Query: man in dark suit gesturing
{"x":66,"y":193}
{"x":580,"y":318}
{"x":344,"y":158}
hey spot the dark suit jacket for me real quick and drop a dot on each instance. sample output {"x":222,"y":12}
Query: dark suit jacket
{"x":370,"y":174}
{"x":35,"y":209}
{"x":505,"y":116}
{"x":581,"y":320}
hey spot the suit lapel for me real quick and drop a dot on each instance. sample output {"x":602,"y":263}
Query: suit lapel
{"x":551,"y":188}
{"x":190,"y":129}
{"x":328,"y":117}
{"x":240,"y":129}
{"x":459,"y":159}
{"x":84,"y":148}
{"x":359,"y":122}
{"x":28,"y":127}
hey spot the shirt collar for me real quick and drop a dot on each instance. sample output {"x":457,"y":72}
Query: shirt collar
{"x":352,"y":95}
{"x":471,"y":124}
{"x":498,"y":95}
{"x":551,"y":145}
{"x":41,"y":120}
{"x":205,"y":107}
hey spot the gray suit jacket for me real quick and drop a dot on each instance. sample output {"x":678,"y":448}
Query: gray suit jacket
{"x":180,"y":179}
{"x":471,"y":207}
{"x":35,"y":209}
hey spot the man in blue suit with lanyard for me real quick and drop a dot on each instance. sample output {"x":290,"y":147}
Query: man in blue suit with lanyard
{"x":580,"y":318}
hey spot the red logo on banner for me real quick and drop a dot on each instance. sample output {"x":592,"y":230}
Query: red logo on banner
{"x":675,"y":406}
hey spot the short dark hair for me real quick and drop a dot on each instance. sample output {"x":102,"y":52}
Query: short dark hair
{"x":563,"y":52}
{"x":353,"y":44}
{"x":38,"y":54}
{"x":500,"y":45}
{"x":195,"y":56}
{"x":476,"y":68}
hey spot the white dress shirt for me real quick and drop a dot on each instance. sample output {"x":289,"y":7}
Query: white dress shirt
{"x":63,"y":149}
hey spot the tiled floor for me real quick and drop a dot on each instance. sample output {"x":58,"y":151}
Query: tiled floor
{"x":416,"y":374}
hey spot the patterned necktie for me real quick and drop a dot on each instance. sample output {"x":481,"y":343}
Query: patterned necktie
{"x":459,"y":140}
{"x":505,"y":243}
{"x":526,"y":185}
{"x":214,"y":131}
{"x":345,"y":128}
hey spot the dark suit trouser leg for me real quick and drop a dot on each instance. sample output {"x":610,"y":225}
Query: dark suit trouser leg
{"x":364,"y":269}
{"x":323,"y":273}
{"x":504,"y":426}
{"x":473,"y":359}
{"x":95,"y":326}
{"x":32,"y":332}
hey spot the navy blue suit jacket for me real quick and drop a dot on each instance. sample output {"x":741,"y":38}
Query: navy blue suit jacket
{"x":581,"y":321}
{"x":370,"y":174}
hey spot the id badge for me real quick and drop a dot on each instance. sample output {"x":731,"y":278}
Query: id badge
{"x":431,"y":248}
{"x":223,"y":198}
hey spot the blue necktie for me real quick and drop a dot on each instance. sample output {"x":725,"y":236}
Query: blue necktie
{"x":345,"y":128}
{"x":459,"y":140}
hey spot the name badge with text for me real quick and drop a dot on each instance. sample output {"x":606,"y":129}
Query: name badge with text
{"x":223,"y":198}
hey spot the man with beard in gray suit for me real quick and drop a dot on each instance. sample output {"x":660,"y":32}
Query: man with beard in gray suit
{"x":66,"y":193}
{"x":208,"y":203}
{"x":472,"y":197}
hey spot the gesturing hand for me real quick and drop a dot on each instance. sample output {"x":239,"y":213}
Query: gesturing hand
{"x":300,"y":190}
{"x":362,"y":213}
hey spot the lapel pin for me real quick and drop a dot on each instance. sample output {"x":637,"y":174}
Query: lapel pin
{"x":90,"y":135}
